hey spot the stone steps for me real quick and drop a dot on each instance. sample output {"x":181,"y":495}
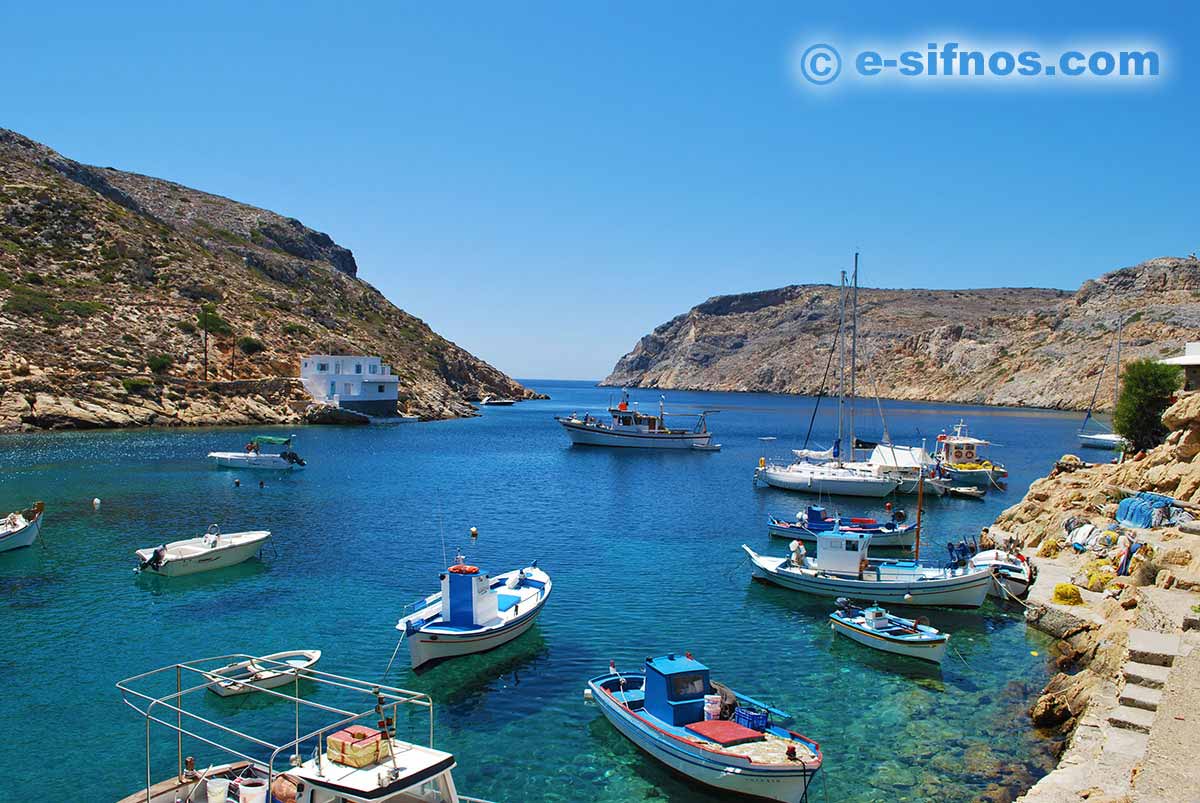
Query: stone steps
{"x":1130,"y":718}
{"x":1149,"y":647}
{"x":1151,"y":676}
{"x":1141,"y":697}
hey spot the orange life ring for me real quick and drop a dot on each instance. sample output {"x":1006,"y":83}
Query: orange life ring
{"x":462,"y":568}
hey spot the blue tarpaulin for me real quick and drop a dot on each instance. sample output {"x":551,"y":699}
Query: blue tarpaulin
{"x":1140,"y":510}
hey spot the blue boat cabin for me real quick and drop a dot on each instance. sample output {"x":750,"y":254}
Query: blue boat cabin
{"x":675,"y":688}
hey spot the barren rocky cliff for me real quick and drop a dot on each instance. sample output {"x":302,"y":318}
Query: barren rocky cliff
{"x":103,"y":277}
{"x":1008,"y":346}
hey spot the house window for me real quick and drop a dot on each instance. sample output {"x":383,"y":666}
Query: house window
{"x":381,"y":388}
{"x":347,"y":389}
{"x":358,"y":367}
{"x":374,"y":368}
{"x":323,"y":367}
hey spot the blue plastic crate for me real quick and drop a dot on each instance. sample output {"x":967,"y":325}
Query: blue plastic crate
{"x":749,"y":718}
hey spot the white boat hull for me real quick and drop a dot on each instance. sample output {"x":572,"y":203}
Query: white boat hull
{"x":933,"y":651}
{"x":1101,"y":440}
{"x":246,"y":460}
{"x":194,"y":561}
{"x":816,"y":482}
{"x":1016,"y":576}
{"x":244,"y":677}
{"x":583,"y":435}
{"x":22,"y":537}
{"x":968,"y":589}
{"x":720,"y":770}
{"x":423,"y":648}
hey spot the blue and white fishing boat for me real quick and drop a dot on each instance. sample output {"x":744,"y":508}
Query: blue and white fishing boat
{"x":629,"y":427}
{"x":843,"y":569}
{"x":21,"y":529}
{"x":706,"y":731}
{"x":961,"y":461}
{"x":473,"y":612}
{"x":876,"y":628}
{"x":814,"y":519}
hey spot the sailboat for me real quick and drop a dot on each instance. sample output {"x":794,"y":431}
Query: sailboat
{"x":1105,"y":440}
{"x":826,"y":472}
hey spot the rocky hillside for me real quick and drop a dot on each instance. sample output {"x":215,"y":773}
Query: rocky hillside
{"x":103,"y":276}
{"x":1012,"y":346}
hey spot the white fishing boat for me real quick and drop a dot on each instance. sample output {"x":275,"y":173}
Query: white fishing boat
{"x":268,"y":672}
{"x":346,"y":752}
{"x":21,"y":529}
{"x":707,"y":732}
{"x":252,"y":457}
{"x":961,"y":461}
{"x":874,"y":627}
{"x":844,"y":569}
{"x":213,"y":550}
{"x":629,"y":427}
{"x":1012,"y":569}
{"x":1102,"y":439}
{"x":473,"y":612}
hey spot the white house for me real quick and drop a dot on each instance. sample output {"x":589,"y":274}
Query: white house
{"x":1190,"y":360}
{"x":363,"y":384}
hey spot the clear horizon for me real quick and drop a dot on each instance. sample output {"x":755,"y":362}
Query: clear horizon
{"x":545,"y":184}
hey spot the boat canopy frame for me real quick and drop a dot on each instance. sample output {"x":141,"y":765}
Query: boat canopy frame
{"x":154,"y":709}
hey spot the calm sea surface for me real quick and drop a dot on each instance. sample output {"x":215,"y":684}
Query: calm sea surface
{"x":643,"y":547}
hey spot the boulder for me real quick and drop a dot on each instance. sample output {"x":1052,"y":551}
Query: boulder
{"x":1185,"y":412}
{"x":328,"y":414}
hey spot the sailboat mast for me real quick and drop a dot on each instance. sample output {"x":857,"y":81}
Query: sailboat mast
{"x":1117,"y":378}
{"x":853,"y":355}
{"x":841,"y":364}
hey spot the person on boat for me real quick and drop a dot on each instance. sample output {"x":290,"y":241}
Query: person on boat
{"x":798,"y":552}
{"x":985,"y":539}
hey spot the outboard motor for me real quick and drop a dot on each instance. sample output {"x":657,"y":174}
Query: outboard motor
{"x":292,"y":457}
{"x":155,"y":561}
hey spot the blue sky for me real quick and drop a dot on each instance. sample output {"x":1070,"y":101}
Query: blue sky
{"x":546,"y":182}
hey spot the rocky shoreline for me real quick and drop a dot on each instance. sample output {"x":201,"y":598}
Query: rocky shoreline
{"x":1112,"y":708}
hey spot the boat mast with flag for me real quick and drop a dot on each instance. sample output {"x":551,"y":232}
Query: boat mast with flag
{"x":630,"y":427}
{"x":253,"y":456}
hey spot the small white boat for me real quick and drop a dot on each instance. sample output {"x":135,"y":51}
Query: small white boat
{"x":21,"y":529}
{"x":1012,"y":569}
{"x":473,"y":612}
{"x":407,"y":418}
{"x":1102,"y":440}
{"x":213,"y":550}
{"x":707,"y":447}
{"x":630,"y":427}
{"x":494,"y":401}
{"x":966,"y":491}
{"x":266,"y":672}
{"x":252,"y":457}
{"x":876,"y":628}
{"x":825,"y":479}
{"x":843,"y":569}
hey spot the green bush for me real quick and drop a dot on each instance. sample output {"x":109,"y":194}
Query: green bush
{"x":160,"y":363}
{"x":294,"y":329}
{"x":208,"y":320}
{"x":1146,"y":390}
{"x":33,"y":303}
{"x":248,"y":345}
{"x":135,"y":384}
{"x":187,"y":327}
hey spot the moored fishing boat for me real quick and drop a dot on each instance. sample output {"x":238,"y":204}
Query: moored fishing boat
{"x":876,"y":628}
{"x":21,"y":529}
{"x":473,"y":612}
{"x":213,"y":550}
{"x":352,"y":756}
{"x":705,"y":731}
{"x":843,"y":569}
{"x":268,"y":672}
{"x":961,"y":461}
{"x":629,"y":427}
{"x":253,"y":457}
{"x":813,"y":520}
{"x":1014,"y":572}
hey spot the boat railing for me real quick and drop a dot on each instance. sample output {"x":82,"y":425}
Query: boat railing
{"x":201,"y":673}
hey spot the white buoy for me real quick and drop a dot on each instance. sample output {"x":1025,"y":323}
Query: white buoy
{"x":907,"y":596}
{"x":96,"y":503}
{"x":474,"y":533}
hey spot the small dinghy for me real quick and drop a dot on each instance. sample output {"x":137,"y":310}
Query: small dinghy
{"x":473,"y":612}
{"x":706,"y":731}
{"x":706,"y":447}
{"x":267,"y":672}
{"x":254,"y":458}
{"x":1014,"y":573}
{"x":966,"y":491}
{"x":813,"y":520}
{"x":874,"y":627}
{"x":213,"y":550}
{"x":21,"y":529}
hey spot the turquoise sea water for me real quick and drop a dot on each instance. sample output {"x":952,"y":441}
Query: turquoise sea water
{"x":643,"y":547}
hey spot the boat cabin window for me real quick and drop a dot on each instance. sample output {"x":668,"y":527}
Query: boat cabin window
{"x":851,"y":546}
{"x":685,"y":686}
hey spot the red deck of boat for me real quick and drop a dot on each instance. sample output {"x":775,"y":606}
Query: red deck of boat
{"x":724,"y":732}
